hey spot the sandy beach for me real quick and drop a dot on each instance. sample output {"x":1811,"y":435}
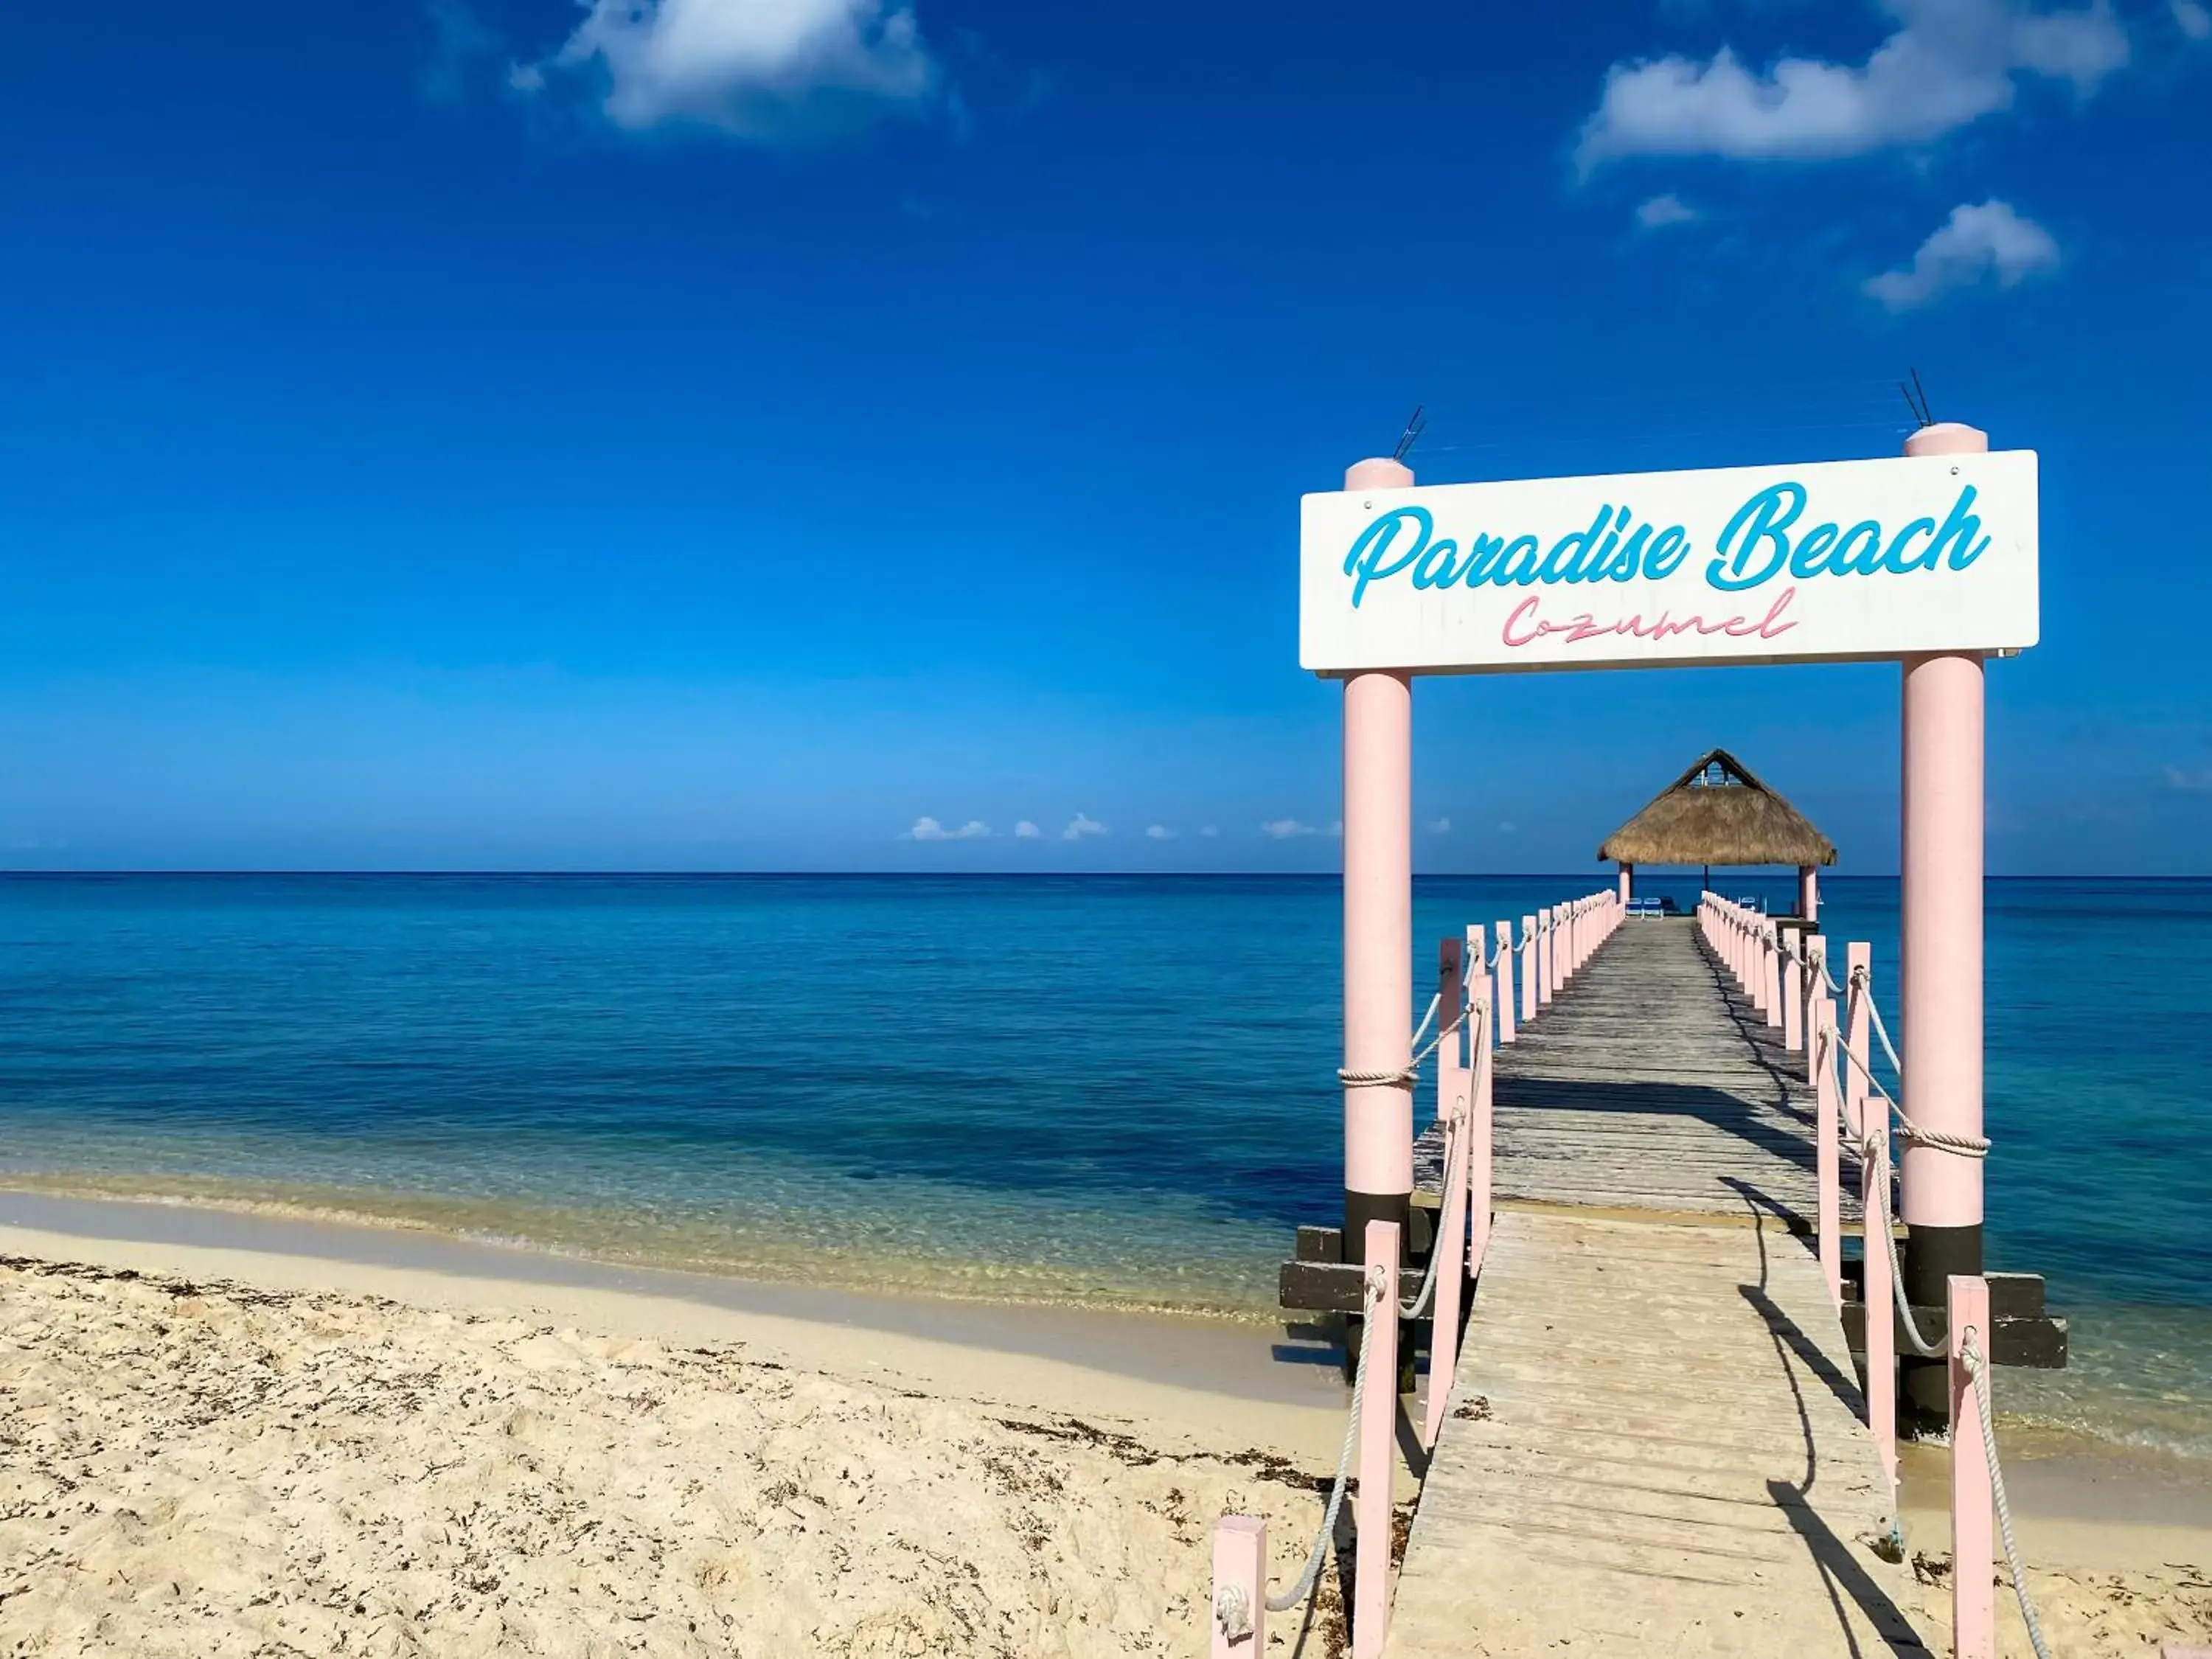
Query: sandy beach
{"x":215,"y":1450}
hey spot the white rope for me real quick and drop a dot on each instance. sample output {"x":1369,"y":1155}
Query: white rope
{"x":1298,"y":1592}
{"x":1940,"y":1140}
{"x":1977,"y":1369}
{"x":1418,"y":1307}
{"x":1939,"y":1348}
{"x":1881,"y":1219}
{"x":1403,"y":1078}
{"x":1435,"y":1003}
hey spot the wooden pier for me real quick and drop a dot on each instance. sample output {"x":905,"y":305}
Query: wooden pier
{"x":1654,"y":1437}
{"x":1651,"y":1085}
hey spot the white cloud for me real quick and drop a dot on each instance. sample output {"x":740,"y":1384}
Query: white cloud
{"x":1950,"y":63}
{"x":2192,"y":19}
{"x":1285,"y":828}
{"x":1027,"y":832}
{"x":760,"y":68}
{"x":1079,"y":826}
{"x":2195,"y":783}
{"x":1661,"y":211}
{"x":931,"y":829}
{"x":1977,"y":241}
{"x":1159,"y":832}
{"x":1440,"y":826}
{"x":1211,"y":831}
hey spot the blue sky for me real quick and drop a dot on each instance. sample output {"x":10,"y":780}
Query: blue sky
{"x":728,"y":434}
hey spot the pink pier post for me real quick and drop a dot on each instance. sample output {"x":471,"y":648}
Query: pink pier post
{"x":1973,"y":1603}
{"x":1809,"y":891}
{"x":1816,"y":997}
{"x":1793,"y":996}
{"x":1828,"y":1156}
{"x":1379,"y":1424}
{"x":1378,"y":927}
{"x":1940,"y":964}
{"x":1456,"y":1109}
{"x":1238,"y":1617}
{"x":1627,"y":884}
{"x":1527,"y":970}
{"x":1873,"y":1121}
{"x":1481,"y":1130}
{"x":1546,"y":934}
{"x":1505,"y":982}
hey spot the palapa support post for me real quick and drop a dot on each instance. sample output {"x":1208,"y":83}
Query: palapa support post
{"x":1505,"y":1033}
{"x":1627,"y":885}
{"x":1940,"y":958}
{"x":1973,"y":1599}
{"x":1379,"y":930}
{"x":1827,"y":1155}
{"x":1237,"y":1619}
{"x":1528,"y":954}
{"x":1379,"y":1424}
{"x":1809,"y":891}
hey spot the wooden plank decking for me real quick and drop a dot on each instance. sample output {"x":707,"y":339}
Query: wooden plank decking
{"x":1650,"y":1083}
{"x":1655,"y":1439}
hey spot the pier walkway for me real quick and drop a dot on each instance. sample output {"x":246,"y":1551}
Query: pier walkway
{"x":1655,"y":1439}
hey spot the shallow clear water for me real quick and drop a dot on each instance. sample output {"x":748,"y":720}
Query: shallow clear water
{"x":1110,"y":1089}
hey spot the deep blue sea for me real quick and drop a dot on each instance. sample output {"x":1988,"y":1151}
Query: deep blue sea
{"x":1112,"y":1090}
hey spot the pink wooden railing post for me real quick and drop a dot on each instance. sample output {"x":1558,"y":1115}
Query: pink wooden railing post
{"x":1973,"y":1601}
{"x":1480,"y":1130}
{"x":1772,"y":970}
{"x":1240,"y":1567}
{"x":1455,"y":1106}
{"x":1378,"y":1424}
{"x":1478,"y":967}
{"x":1828,"y":1156}
{"x":1858,"y":967}
{"x":1817,"y":997}
{"x":1876,"y":1293}
{"x":1528,"y":955}
{"x":1451,"y":998}
{"x":1505,"y":982}
{"x":1545,"y":937}
{"x":1793,"y":999}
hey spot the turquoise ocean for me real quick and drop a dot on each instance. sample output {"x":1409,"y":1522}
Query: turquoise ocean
{"x":1110,"y":1091}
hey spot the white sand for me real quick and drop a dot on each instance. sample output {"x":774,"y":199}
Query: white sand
{"x":197,"y":1468}
{"x":353,"y":1459}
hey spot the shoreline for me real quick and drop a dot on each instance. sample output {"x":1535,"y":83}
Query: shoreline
{"x":1186,"y":1374}
{"x":2084,"y":1500}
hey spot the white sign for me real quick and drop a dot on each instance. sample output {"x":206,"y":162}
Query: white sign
{"x":1835,"y":560}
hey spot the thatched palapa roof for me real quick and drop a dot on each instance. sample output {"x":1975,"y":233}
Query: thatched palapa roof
{"x":1717,"y":813}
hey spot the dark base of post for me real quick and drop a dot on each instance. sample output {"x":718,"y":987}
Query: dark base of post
{"x":1360,"y":1208}
{"x":1932,"y":1256}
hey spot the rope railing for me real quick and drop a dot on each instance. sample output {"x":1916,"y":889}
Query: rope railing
{"x":1977,"y":1374}
{"x":1557,"y":944}
{"x":1976,"y":1483}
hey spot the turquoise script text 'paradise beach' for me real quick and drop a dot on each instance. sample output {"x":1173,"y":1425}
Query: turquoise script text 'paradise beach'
{"x":1754,"y":548}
